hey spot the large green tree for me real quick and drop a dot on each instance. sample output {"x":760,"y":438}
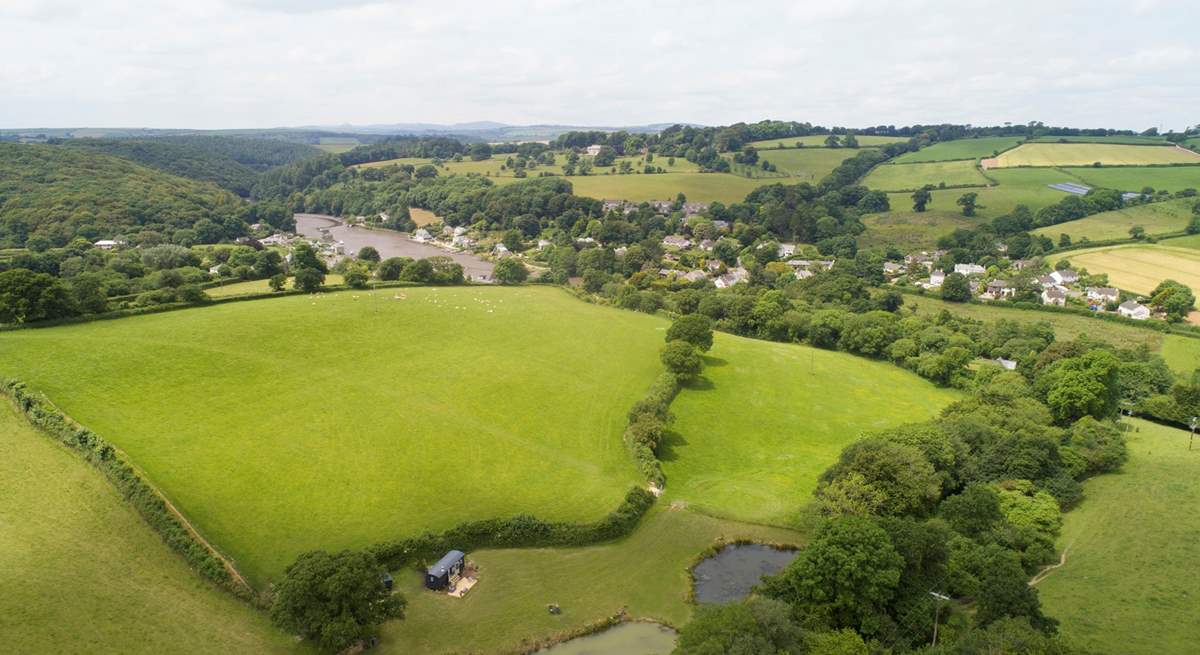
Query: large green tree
{"x":695,"y":329}
{"x":759,"y":625}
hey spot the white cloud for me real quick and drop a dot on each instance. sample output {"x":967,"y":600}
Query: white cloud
{"x":261,"y":63}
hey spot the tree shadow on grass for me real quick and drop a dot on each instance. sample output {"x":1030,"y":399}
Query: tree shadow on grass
{"x":714,"y":362}
{"x":670,"y":441}
{"x":699,"y":384}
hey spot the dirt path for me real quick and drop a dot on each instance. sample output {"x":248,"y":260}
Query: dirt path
{"x":1048,"y":569}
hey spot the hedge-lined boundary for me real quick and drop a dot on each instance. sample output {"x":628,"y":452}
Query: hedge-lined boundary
{"x":654,"y":406}
{"x":521,"y":531}
{"x":143,"y":496}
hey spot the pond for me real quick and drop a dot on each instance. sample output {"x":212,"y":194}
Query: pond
{"x":388,"y":243}
{"x":622,"y":639}
{"x":732,"y":573}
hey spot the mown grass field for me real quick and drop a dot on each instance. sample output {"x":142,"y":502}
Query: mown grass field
{"x":1129,"y":582}
{"x":898,"y":177}
{"x":1016,"y":186}
{"x":909,"y":230}
{"x":1141,"y":267}
{"x":698,"y":187}
{"x":1182,"y":353}
{"x":751,"y":438}
{"x":960,"y":149}
{"x":81,"y":572}
{"x":1156,"y":218}
{"x":1066,"y":326}
{"x":645,"y":573}
{"x":422,"y":217}
{"x":818,"y":141}
{"x":1168,"y":178}
{"x":1084,"y":154}
{"x":259,"y":286}
{"x":345,"y":419}
{"x":807,"y":164}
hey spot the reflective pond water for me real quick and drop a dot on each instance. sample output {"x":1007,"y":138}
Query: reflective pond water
{"x":622,"y":639}
{"x":732,"y":573}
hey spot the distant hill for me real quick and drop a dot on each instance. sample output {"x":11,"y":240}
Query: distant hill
{"x":488,"y":130}
{"x":61,"y":192}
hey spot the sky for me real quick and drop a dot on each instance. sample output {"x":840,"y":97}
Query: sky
{"x":210,"y":64}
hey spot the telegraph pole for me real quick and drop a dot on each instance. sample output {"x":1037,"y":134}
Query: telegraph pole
{"x":1192,"y":438}
{"x":937,"y":608}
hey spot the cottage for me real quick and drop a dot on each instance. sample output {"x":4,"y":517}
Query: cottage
{"x":1001,"y":289}
{"x":694,"y":276}
{"x":707,"y":245}
{"x":617,"y":206}
{"x":969,"y":269}
{"x":1047,"y":281}
{"x":1134,"y":309}
{"x":1102,"y":295}
{"x":501,"y":250}
{"x":1054,"y":296}
{"x":721,"y":225}
{"x":693,"y":208}
{"x":462,"y":241}
{"x":594,"y":149}
{"x":799,"y":263}
{"x":422,"y":235}
{"x":108,"y":244}
{"x":1006,"y":364}
{"x":936,"y":279}
{"x":675,"y":241}
{"x":803,"y":274}
{"x":459,"y":231}
{"x":585,"y":240}
{"x":1022,"y":264}
{"x":712,"y":265}
{"x":1065,"y":276}
{"x":438,"y":576}
{"x":731,"y":278}
{"x":785,"y":250}
{"x":892,"y":268}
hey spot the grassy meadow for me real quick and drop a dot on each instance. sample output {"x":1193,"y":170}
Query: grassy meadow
{"x":345,"y":419}
{"x":1140,"y":267}
{"x":1156,"y":218}
{"x":1129,"y":139}
{"x":818,"y":141}
{"x":752,"y":436}
{"x":1131,"y":549}
{"x":898,"y":177}
{"x":1084,"y":154}
{"x":960,"y":149}
{"x":1182,"y":353}
{"x":1133,"y":178}
{"x":1017,"y":186}
{"x":249,"y":287}
{"x":81,"y":572}
{"x":807,"y":164}
{"x":645,"y":573}
{"x":698,"y":187}
{"x":909,"y":230}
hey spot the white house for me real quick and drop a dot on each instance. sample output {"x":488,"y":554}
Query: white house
{"x":422,"y":235}
{"x":1134,"y":309}
{"x":1054,"y":296}
{"x":501,"y":250}
{"x":108,"y":244}
{"x":731,"y":278}
{"x":1065,"y":276}
{"x":462,"y":241}
{"x":1101,"y":295}
{"x":786,"y":250}
{"x":1006,"y":364}
{"x":1001,"y":289}
{"x":675,"y":241}
{"x":543,"y":244}
{"x":936,"y":279}
{"x":594,"y":150}
{"x":892,"y":268}
{"x":969,"y":269}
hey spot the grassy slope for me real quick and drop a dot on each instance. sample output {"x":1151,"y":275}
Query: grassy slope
{"x":259,"y":286}
{"x":1170,"y":178}
{"x":1018,"y":186}
{"x":892,"y":177}
{"x":807,"y":164}
{"x":818,"y":141}
{"x":1135,"y":140}
{"x":698,"y":187}
{"x":646,"y":573}
{"x":1084,"y":154}
{"x":908,"y":230}
{"x":276,"y":432}
{"x":80,"y":572}
{"x":960,"y":149}
{"x":752,"y":436}
{"x":1156,"y":218}
{"x":1141,"y":267}
{"x":1182,"y":353}
{"x":1129,"y":580}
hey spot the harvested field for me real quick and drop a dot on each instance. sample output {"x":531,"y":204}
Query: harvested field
{"x":1085,"y":154}
{"x":1141,"y":267}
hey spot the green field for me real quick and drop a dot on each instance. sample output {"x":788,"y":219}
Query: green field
{"x":645,"y":573}
{"x":898,"y":177}
{"x":259,"y":286}
{"x":1168,"y":178}
{"x":807,"y":164}
{"x":960,"y":149}
{"x":339,"y":421}
{"x":1133,"y":140}
{"x":1156,"y":218}
{"x":767,"y":418}
{"x":1084,"y":154}
{"x":908,"y":230}
{"x":1140,"y":267}
{"x":1182,"y":353}
{"x":1066,"y":326}
{"x":1016,"y":186}
{"x":698,"y":187}
{"x":81,"y":572}
{"x":818,"y":141}
{"x":1129,"y":582}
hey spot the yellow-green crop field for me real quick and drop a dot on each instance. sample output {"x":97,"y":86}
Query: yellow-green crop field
{"x":1085,"y":154}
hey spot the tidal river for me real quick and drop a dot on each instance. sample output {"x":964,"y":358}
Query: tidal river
{"x":388,"y":243}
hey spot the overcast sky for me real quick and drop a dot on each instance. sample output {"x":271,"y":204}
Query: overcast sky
{"x":267,"y":63}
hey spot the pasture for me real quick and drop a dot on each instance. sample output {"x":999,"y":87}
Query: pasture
{"x":1140,"y":267}
{"x":1084,"y":154}
{"x":909,"y":230}
{"x":1165,"y":178}
{"x":901,"y":177}
{"x":344,"y":419}
{"x":960,"y":149}
{"x":1156,"y":218}
{"x":1135,"y":139}
{"x":1181,"y":353}
{"x":1016,"y":186}
{"x":807,"y":164}
{"x":81,"y":572}
{"x":1131,"y":551}
{"x":423,"y":217}
{"x":645,"y":573}
{"x":249,"y":287}
{"x":698,"y":187}
{"x":751,"y":436}
{"x":818,"y":141}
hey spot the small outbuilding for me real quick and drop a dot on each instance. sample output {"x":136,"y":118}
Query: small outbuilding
{"x":437,"y":577}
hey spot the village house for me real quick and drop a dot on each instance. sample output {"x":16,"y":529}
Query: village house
{"x":799,"y":263}
{"x":891,"y":269}
{"x":936,"y":278}
{"x":1022,"y":264}
{"x":785,"y":250}
{"x":1134,"y":309}
{"x":675,"y":241}
{"x":1065,"y":276}
{"x":731,"y":278}
{"x":585,"y":240}
{"x":108,"y":244}
{"x":803,"y":274}
{"x":707,"y":245}
{"x":459,"y":231}
{"x":969,"y":269}
{"x":462,"y":241}
{"x":276,"y":240}
{"x":1102,"y":295}
{"x":712,"y":265}
{"x":1006,"y":364}
{"x":721,"y":225}
{"x":693,"y":276}
{"x":594,"y":149}
{"x":501,"y":250}
{"x":422,"y":235}
{"x":693,"y":208}
{"x":618,"y":206}
{"x":1054,"y":296}
{"x":1000,"y":289}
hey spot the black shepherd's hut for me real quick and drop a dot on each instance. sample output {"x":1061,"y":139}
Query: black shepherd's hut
{"x":437,"y":577}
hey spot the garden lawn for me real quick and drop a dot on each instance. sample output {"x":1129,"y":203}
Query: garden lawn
{"x":1129,"y":581}
{"x":767,"y":418}
{"x":898,"y":177}
{"x":81,"y":572}
{"x":1142,"y":266}
{"x":908,"y":230}
{"x":1085,"y":154}
{"x":1135,"y":178}
{"x":960,"y":149}
{"x":346,"y":419}
{"x":645,"y":573}
{"x":1156,"y":218}
{"x":1066,"y":326}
